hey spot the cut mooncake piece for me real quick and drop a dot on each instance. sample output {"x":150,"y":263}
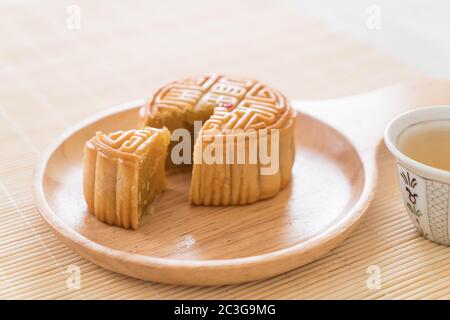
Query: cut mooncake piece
{"x":123,"y":172}
{"x":229,"y":109}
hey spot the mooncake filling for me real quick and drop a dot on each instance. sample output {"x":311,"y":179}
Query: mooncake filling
{"x":152,"y":176}
{"x":178,"y":119}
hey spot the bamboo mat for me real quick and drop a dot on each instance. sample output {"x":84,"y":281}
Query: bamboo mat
{"x":53,"y":76}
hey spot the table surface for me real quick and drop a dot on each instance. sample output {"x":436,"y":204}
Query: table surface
{"x":56,"y":72}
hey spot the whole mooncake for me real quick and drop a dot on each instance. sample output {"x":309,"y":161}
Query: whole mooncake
{"x":230,"y":110}
{"x":123,"y":172}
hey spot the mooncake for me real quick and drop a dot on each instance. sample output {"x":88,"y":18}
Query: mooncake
{"x":123,"y":172}
{"x":230,"y":110}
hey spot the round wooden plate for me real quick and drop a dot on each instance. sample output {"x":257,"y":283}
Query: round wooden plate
{"x":333,"y":183}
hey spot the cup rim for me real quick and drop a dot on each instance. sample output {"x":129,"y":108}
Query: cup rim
{"x":390,"y":137}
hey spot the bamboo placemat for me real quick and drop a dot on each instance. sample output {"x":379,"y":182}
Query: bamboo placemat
{"x":54,"y":75}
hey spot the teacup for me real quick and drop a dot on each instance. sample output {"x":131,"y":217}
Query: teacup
{"x":425,"y":189}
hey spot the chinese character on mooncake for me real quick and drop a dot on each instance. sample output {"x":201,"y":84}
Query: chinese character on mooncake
{"x":123,"y":172}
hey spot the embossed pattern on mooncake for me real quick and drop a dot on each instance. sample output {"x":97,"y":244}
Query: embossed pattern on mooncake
{"x":134,"y":142}
{"x":249,"y":104}
{"x":123,"y":172}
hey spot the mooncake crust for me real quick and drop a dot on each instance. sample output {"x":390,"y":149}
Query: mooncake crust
{"x":111,"y":173}
{"x":228,"y":106}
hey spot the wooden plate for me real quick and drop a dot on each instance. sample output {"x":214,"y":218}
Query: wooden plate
{"x":333,"y":183}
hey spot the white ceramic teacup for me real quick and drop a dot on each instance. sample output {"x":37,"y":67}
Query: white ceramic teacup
{"x":425,"y":190}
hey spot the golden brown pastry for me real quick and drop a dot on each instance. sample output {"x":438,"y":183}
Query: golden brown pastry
{"x":123,"y":172}
{"x":230,"y":108}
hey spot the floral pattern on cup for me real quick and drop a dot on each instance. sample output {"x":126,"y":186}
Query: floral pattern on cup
{"x":427,"y":203}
